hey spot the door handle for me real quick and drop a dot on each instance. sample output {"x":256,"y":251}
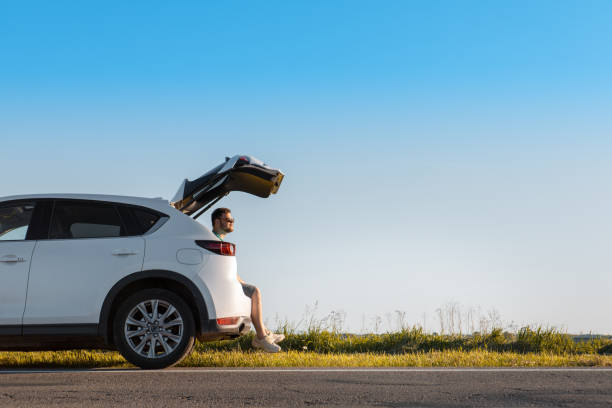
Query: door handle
{"x":11,"y":259}
{"x":124,"y":252}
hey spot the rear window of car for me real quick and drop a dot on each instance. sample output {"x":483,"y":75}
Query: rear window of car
{"x":146,"y":219}
{"x":138,"y":220}
{"x":85,"y":220}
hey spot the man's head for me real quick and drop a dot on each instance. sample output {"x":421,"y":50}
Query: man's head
{"x":222,"y":221}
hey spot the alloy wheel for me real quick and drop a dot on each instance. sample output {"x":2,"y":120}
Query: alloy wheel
{"x":154,"y":328}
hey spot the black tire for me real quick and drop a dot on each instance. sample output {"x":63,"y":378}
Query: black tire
{"x":173,"y":349}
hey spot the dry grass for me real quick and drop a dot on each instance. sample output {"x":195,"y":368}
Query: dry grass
{"x":425,"y":359}
{"x":448,"y":358}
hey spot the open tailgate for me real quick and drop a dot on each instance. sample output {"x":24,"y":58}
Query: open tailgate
{"x":239,"y":173}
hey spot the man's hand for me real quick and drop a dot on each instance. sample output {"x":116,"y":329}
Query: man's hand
{"x":240,"y":280}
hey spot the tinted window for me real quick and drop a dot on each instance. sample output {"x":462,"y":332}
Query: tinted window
{"x":85,"y":220}
{"x":145,"y":219}
{"x":39,"y":225}
{"x":15,"y":221}
{"x":138,"y":220}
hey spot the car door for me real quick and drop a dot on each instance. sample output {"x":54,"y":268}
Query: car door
{"x":86,"y":253}
{"x":15,"y":257}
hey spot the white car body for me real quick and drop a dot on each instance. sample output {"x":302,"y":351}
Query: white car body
{"x":61,"y":273}
{"x":58,"y":292}
{"x":57,"y":262}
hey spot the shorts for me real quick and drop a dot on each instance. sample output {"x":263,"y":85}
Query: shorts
{"x":248,"y":289}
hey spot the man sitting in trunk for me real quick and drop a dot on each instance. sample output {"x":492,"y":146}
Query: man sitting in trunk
{"x":223,"y":224}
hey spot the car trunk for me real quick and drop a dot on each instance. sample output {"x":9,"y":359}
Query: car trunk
{"x":239,"y":173}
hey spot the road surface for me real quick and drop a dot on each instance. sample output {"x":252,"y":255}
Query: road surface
{"x":308,"y":387}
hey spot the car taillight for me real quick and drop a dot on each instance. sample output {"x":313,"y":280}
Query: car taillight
{"x":227,"y":321}
{"x":218,"y":247}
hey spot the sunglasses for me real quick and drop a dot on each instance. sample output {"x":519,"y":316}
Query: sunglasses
{"x":231,"y":221}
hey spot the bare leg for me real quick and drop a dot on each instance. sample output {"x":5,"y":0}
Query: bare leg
{"x":256,"y":314}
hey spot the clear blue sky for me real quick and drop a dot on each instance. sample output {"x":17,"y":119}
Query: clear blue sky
{"x":435,"y":151}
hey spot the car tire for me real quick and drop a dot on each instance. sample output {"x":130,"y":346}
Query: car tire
{"x":154,"y":329}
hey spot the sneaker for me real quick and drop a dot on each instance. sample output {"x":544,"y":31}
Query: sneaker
{"x":276,"y":337}
{"x":267,"y":344}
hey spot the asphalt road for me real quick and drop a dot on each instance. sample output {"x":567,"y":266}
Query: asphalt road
{"x":308,"y":387}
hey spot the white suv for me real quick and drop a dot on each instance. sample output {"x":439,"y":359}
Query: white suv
{"x":136,"y":274}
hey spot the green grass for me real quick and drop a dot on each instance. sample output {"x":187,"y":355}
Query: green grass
{"x":527,"y":340}
{"x":406,"y":348}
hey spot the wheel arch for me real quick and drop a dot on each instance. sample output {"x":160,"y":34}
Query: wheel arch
{"x":164,"y":279}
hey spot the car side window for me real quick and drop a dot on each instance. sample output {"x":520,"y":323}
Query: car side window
{"x":85,"y":220}
{"x":146,"y":219}
{"x":138,"y":220}
{"x":15,"y":221}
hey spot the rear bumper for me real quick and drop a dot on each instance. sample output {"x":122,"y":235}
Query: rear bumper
{"x":215,"y":331}
{"x":219,"y":278}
